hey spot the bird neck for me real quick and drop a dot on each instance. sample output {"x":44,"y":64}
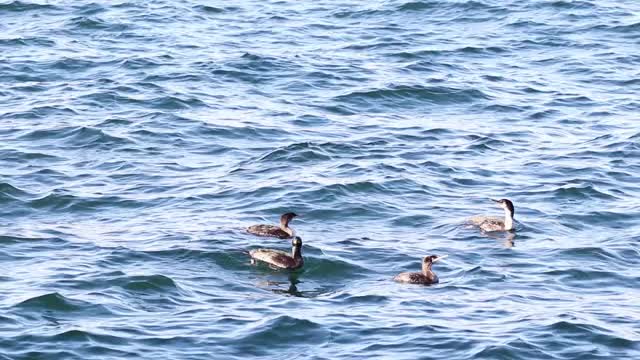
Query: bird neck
{"x":284,"y":226}
{"x":296,"y":252}
{"x":289,"y":231}
{"x":426,"y":267}
{"x":508,"y":220}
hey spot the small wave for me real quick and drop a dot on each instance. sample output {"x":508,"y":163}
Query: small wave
{"x":608,"y":219}
{"x":566,"y":4}
{"x":412,"y":95}
{"x":588,"y":253}
{"x":419,"y":5}
{"x":579,"y":277}
{"x":29,"y":88}
{"x":108,"y":98}
{"x":148,"y":63}
{"x":572,"y":101}
{"x":148,"y":283}
{"x":526,"y":24}
{"x":379,"y":44}
{"x":241,"y":76}
{"x":579,"y":192}
{"x":627,"y":146}
{"x":514,"y":349}
{"x":297,"y":153}
{"x":575,"y":329}
{"x":10,"y":191}
{"x":542,"y":43}
{"x":263,"y":64}
{"x":438,"y":168}
{"x":22,"y":6}
{"x":229,"y":260}
{"x":77,"y":137}
{"x":51,"y":242}
{"x":114,"y":122}
{"x":59,"y":303}
{"x":209,"y":9}
{"x":361,"y":209}
{"x":28,"y":41}
{"x":78,"y":344}
{"x":327,"y":268}
{"x":627,"y":29}
{"x":543,"y":114}
{"x":60,"y":200}
{"x":428,"y":64}
{"x":151,"y":82}
{"x":413,"y":220}
{"x":91,"y":9}
{"x":176,"y":103}
{"x":84,"y":336}
{"x":355,"y":14}
{"x":480,"y":143}
{"x":352,"y":299}
{"x":282,"y":331}
{"x":40,"y":112}
{"x":253,"y":68}
{"x":94,"y":23}
{"x":506,"y":108}
{"x":481,"y":276}
{"x":310,"y":120}
{"x":390,"y":186}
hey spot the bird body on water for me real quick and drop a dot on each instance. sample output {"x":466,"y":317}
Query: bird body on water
{"x":426,"y":277}
{"x":283,"y":231}
{"x":493,"y":223}
{"x":280,"y":259}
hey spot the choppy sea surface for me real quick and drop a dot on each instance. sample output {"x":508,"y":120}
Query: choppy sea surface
{"x":139,"y":138}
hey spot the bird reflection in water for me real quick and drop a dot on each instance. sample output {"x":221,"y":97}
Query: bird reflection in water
{"x":291,"y":289}
{"x":283,"y":287}
{"x":509,"y":239}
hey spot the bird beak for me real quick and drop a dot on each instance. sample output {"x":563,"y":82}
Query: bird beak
{"x":494,"y":200}
{"x":439,"y":258}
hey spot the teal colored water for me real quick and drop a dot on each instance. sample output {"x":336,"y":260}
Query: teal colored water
{"x":139,"y":138}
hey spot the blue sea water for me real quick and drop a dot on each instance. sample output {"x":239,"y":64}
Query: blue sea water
{"x":139,"y":138}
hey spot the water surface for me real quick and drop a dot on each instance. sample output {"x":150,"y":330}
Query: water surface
{"x":139,"y":138}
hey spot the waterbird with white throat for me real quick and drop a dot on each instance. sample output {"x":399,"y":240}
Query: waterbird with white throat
{"x":426,"y":277}
{"x":280,"y":259}
{"x":492,"y":223}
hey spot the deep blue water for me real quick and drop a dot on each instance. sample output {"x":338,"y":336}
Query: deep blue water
{"x":139,"y":138}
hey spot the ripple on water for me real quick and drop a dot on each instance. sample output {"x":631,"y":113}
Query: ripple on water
{"x":76,"y":137}
{"x":59,"y":201}
{"x":55,"y":303}
{"x":23,"y":6}
{"x":410,"y":96}
{"x":209,"y":9}
{"x":280,"y":332}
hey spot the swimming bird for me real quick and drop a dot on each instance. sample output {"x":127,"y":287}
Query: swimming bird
{"x":492,"y":223}
{"x":280,"y":259}
{"x":426,"y":277}
{"x":282,"y":232}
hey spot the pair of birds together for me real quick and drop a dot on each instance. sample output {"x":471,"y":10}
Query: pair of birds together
{"x":282,"y":260}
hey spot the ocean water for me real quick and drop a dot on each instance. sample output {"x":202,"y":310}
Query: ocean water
{"x":139,"y":138}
